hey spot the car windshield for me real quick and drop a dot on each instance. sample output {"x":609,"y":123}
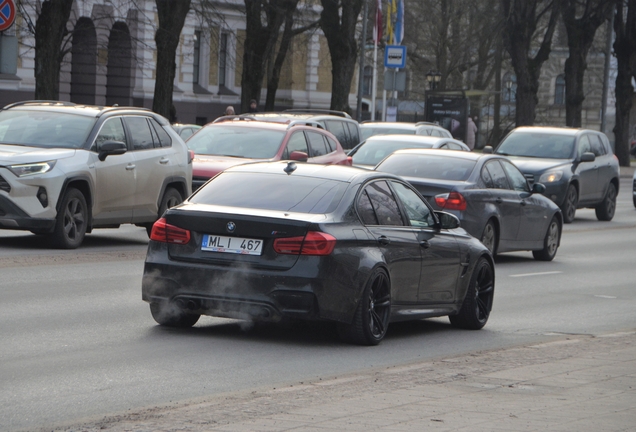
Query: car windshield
{"x":46,"y":129}
{"x":272,"y":192}
{"x":236,"y":141}
{"x":372,"y":152}
{"x":428,"y":166}
{"x":537,"y":145}
{"x":367,"y":132}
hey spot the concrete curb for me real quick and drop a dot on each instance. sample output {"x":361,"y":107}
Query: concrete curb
{"x":574,"y":382}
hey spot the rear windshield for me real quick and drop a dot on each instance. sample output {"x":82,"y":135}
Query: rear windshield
{"x":426,"y":166}
{"x":372,"y":152}
{"x":366,"y":132}
{"x":272,"y":192}
{"x":539,"y":145}
{"x":46,"y":129}
{"x":236,"y":141}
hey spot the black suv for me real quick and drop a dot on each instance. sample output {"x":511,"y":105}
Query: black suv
{"x":339,"y":123}
{"x":577,"y":166}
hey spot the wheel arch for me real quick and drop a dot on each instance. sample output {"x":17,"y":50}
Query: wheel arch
{"x":84,"y":185}
{"x":178,"y":183}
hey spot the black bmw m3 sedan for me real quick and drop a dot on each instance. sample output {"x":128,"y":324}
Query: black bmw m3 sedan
{"x":274,"y":240}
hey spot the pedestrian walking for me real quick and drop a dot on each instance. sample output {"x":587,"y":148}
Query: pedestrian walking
{"x":471,"y":131}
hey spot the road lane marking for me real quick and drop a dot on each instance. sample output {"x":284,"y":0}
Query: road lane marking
{"x":536,"y":274}
{"x":605,"y":296}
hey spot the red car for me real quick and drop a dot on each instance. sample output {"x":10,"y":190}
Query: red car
{"x":230,"y":141}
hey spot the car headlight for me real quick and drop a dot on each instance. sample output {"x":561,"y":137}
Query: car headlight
{"x":551,"y":176}
{"x":25,"y":170}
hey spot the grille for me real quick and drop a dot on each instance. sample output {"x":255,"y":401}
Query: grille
{"x":4,"y":185}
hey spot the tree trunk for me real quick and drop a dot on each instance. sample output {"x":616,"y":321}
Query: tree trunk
{"x":580,"y":33}
{"x":625,"y":51}
{"x":172,"y":15}
{"x":520,"y":23}
{"x":50,"y":29}
{"x":338,"y":22}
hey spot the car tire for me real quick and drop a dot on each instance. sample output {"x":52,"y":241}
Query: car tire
{"x":606,"y":209}
{"x":634,"y":200}
{"x":372,"y":315}
{"x":477,"y":304}
{"x":550,"y":242}
{"x":569,"y":205}
{"x":71,"y":221}
{"x":171,"y":198}
{"x":489,"y":237}
{"x":170,"y":315}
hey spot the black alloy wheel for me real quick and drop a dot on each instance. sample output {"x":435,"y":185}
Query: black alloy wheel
{"x":606,"y":209}
{"x":71,"y":220}
{"x":371,"y":319}
{"x":570,"y":203}
{"x":489,"y":237}
{"x":550,"y":242}
{"x":170,"y":315}
{"x":477,"y":305}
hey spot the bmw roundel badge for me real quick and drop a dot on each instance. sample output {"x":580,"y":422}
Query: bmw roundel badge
{"x":231,"y":226}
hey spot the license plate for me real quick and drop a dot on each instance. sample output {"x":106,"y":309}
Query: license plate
{"x":235,"y":245}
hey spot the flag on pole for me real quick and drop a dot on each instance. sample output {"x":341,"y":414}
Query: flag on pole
{"x":399,"y":22}
{"x":390,"y":17}
{"x":377,"y":30}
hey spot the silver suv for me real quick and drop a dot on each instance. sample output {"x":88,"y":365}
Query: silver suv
{"x":66,"y":169}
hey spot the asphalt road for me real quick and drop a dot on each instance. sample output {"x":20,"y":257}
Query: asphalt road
{"x":76,"y":340}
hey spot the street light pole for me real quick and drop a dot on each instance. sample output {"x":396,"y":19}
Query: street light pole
{"x":361,"y":62}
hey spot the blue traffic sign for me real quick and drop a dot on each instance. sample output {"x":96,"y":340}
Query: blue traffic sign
{"x":395,"y":56}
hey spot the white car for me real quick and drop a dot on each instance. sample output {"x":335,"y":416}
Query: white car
{"x":66,"y":169}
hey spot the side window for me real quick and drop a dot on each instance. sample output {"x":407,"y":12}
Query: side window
{"x":486,"y":178}
{"x":317,"y":144}
{"x":331,"y":145}
{"x":444,"y":146}
{"x":384,"y":203}
{"x":296,"y":142}
{"x":140,"y":131}
{"x":186,"y":133}
{"x":584,"y":145}
{"x":338,"y":129}
{"x":354,"y":135}
{"x":112,"y":130}
{"x":417,"y":211}
{"x":453,"y":146}
{"x":164,"y":138}
{"x":365,"y":210}
{"x":597,"y":145}
{"x":498,"y":175}
{"x":519,"y":182}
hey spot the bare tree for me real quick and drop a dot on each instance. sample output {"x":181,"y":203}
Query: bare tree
{"x":581,"y":19}
{"x":522,"y":20}
{"x":625,"y":52}
{"x":50,"y":30}
{"x":338,"y":21}
{"x":172,"y":14}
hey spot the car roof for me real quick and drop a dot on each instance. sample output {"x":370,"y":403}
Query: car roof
{"x":552,"y":130}
{"x":388,"y":125}
{"x":77,"y":109}
{"x":425,"y":139}
{"x":448,"y":153}
{"x":328,"y":172}
{"x":275,"y":123}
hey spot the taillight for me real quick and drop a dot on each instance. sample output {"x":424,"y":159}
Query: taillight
{"x":314,"y":243}
{"x":451,"y":201}
{"x":166,"y":233}
{"x":190,"y":156}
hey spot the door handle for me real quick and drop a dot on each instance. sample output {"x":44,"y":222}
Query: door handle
{"x":425,"y":244}
{"x":130,"y":167}
{"x":164,"y":161}
{"x":498,"y":200}
{"x":384,"y":240}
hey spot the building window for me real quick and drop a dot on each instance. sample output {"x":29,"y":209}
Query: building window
{"x":197,"y":56}
{"x":367,"y":81}
{"x":223,"y":42}
{"x":559,"y":90}
{"x":509,"y":88}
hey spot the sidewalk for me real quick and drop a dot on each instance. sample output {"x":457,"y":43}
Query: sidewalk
{"x":573,"y":383}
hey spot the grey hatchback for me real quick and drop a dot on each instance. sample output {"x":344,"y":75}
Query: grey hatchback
{"x":577,"y":166}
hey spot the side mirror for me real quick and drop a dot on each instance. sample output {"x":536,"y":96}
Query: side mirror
{"x":298,"y":156}
{"x":109,"y":148}
{"x":447,"y":220}
{"x":588,"y":157}
{"x":538,"y":188}
{"x":488,"y":150}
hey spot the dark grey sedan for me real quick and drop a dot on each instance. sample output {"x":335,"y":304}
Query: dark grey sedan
{"x":488,"y":194}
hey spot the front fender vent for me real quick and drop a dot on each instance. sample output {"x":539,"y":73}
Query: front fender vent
{"x":4,"y":185}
